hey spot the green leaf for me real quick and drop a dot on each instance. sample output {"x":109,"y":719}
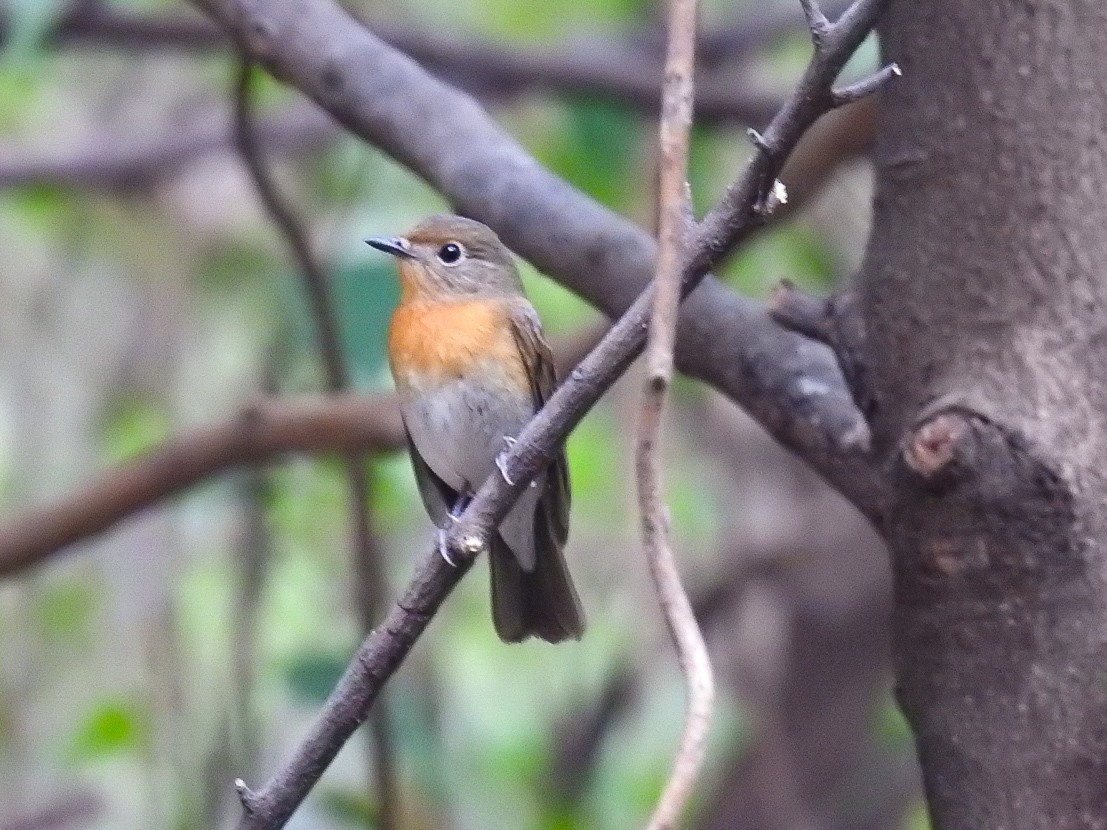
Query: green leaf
{"x":133,"y":426}
{"x":892,"y":726}
{"x":64,"y":610}
{"x":114,"y":727}
{"x":597,"y":151}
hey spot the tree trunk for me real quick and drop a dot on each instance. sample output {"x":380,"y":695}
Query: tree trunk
{"x":983,"y":300}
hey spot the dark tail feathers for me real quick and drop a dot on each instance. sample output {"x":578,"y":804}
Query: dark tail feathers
{"x":542,"y":603}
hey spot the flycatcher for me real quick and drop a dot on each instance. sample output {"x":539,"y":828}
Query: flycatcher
{"x":471,"y":367}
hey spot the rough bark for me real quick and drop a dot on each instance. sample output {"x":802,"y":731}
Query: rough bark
{"x":983,"y":297}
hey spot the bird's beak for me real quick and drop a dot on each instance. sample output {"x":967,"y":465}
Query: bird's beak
{"x":397,"y":246}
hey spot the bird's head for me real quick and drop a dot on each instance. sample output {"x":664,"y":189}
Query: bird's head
{"x":451,"y":257}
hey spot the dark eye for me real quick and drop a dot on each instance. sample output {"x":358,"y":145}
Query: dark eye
{"x":449,"y":253}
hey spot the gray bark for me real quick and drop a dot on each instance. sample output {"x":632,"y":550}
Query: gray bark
{"x":983,"y":301}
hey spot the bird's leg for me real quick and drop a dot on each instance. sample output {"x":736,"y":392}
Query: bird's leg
{"x":501,"y":463}
{"x":455,"y":513}
{"x":459,"y":506}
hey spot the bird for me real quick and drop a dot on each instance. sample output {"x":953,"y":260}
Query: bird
{"x":472,"y":367}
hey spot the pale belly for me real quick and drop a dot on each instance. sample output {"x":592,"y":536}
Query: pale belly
{"x":459,"y":427}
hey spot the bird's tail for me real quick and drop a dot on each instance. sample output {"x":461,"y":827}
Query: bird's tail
{"x":541,"y":603}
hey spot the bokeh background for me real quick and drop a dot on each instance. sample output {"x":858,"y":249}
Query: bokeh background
{"x":144,"y":292}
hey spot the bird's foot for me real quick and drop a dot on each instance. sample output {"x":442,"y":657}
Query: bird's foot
{"x":452,"y":517}
{"x":459,"y":506}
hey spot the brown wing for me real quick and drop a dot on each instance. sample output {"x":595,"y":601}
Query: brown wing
{"x":542,"y":602}
{"x":538,"y":360}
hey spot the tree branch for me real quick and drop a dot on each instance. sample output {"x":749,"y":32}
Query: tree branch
{"x":341,"y":86}
{"x":340,"y":424}
{"x":263,"y":430}
{"x":628,"y":70}
{"x":115,"y":161}
{"x":674,"y":222}
{"x":370,"y":579}
{"x":790,"y":385}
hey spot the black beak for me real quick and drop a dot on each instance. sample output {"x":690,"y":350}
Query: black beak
{"x":397,"y":246}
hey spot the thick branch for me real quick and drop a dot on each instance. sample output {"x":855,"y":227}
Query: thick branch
{"x":263,"y":430}
{"x":742,"y":209}
{"x":791,"y":386}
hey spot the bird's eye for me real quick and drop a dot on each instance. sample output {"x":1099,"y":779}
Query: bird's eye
{"x":450,"y":253}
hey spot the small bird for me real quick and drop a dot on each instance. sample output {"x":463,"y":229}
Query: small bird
{"x":471,"y":367}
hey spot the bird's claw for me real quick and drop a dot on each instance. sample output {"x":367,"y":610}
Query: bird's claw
{"x":443,"y":546}
{"x":501,"y":460}
{"x":501,"y":465}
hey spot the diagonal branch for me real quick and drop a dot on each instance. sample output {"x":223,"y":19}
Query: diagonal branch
{"x":742,"y":209}
{"x":372,"y":586}
{"x":674,"y":218}
{"x":788,"y":384}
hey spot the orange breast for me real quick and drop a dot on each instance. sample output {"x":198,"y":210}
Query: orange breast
{"x":433,"y":342}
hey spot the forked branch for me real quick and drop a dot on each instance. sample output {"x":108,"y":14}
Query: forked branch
{"x":739,"y":213}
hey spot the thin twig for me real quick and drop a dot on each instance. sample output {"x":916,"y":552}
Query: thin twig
{"x":673,"y":206}
{"x":115,"y":160}
{"x":371,"y":586}
{"x":732,"y":220}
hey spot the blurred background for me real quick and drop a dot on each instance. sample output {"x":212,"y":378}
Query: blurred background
{"x":147,"y":292}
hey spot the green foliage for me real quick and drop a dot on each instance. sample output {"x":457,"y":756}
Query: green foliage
{"x":545,"y":22}
{"x":312,"y":675}
{"x":917,"y":817}
{"x":349,"y":808}
{"x":40,"y":208}
{"x":132,"y":426}
{"x":475,"y":722}
{"x":112,"y":727}
{"x":19,"y":91}
{"x":232,"y":263}
{"x":26,"y":24}
{"x":597,"y":150}
{"x":790,"y":252}
{"x":592,"y":454}
{"x":364,"y":295}
{"x":64,"y":611}
{"x":892,"y":726}
{"x":561,"y":310}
